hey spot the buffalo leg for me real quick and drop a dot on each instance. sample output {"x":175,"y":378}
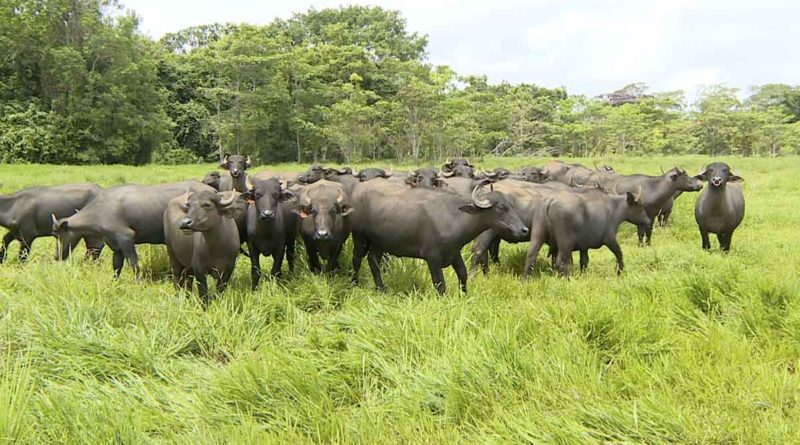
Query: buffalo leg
{"x":704,"y":238}
{"x":530,"y":259}
{"x":202,"y":287}
{"x":133,"y":261}
{"x":118,"y":261}
{"x":359,"y":250}
{"x":613,"y":246}
{"x":564,"y":261}
{"x":277,"y":260}
{"x":333,"y":261}
{"x":584,"y":260}
{"x":437,"y":276}
{"x":7,"y":239}
{"x":177,"y":271}
{"x":24,"y":248}
{"x":255,"y":267}
{"x":290,"y":253}
{"x":94,"y":246}
{"x":724,"y":241}
{"x":313,"y":257}
{"x":494,"y":250}
{"x":373,"y":258}
{"x":649,"y":231}
{"x":461,"y":271}
{"x":223,"y":280}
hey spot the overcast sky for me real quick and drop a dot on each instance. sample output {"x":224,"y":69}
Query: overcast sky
{"x":590,"y":47}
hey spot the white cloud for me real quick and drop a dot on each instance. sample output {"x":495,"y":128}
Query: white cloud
{"x":588,"y":46}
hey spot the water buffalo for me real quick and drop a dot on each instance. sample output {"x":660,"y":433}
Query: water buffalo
{"x":581,"y":220}
{"x":212,"y":179}
{"x":657,"y":190}
{"x":530,"y":174}
{"x":343,"y":176}
{"x":310,"y":176}
{"x":370,"y":173}
{"x":459,"y":168}
{"x":123,"y":216}
{"x":236,"y":179}
{"x":524,"y":197}
{"x":323,"y":208}
{"x":574,"y":175}
{"x":202,"y":239}
{"x":720,"y":207}
{"x":498,"y":174}
{"x":271,"y":225}
{"x":431,"y":224}
{"x":27,"y":214}
{"x":425,"y":177}
{"x":666,"y":210}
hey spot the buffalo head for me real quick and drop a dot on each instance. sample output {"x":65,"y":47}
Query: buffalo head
{"x":235,"y":164}
{"x":265,"y":194}
{"x":718,"y":175}
{"x":204,"y":209}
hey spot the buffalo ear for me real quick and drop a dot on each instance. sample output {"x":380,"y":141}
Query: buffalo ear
{"x":346,"y":209}
{"x":702,"y":176}
{"x":735,"y":178}
{"x":411,"y":180}
{"x":286,"y":195}
{"x":249,"y":196}
{"x":302,"y":211}
{"x":471,"y":209}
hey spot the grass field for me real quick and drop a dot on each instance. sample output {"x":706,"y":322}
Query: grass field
{"x":686,"y":346}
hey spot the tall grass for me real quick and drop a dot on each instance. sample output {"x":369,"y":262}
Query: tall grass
{"x":686,"y":346}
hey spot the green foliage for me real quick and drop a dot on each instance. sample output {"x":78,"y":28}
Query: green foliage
{"x":685,"y":346}
{"x":80,"y":85}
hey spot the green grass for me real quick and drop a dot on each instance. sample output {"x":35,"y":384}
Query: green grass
{"x":686,"y":346}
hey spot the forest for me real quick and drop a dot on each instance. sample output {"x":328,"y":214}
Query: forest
{"x":81,"y":84}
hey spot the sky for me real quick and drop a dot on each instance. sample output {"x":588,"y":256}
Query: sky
{"x":589,"y":47}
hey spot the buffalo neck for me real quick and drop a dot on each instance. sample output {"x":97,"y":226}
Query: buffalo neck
{"x":717,"y":199}
{"x":664,"y":189}
{"x":215,"y":236}
{"x":465,"y":226}
{"x":620,"y":207}
{"x":239,"y":184}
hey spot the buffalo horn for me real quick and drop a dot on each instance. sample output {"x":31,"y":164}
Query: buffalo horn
{"x":446,"y":173}
{"x":340,"y":197}
{"x":478,"y":198}
{"x":228,"y":201}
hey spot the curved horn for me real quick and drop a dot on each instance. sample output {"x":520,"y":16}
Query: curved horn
{"x":247,"y":159}
{"x":388,"y":173}
{"x":486,"y":174}
{"x":638,"y":194}
{"x":284,"y":183}
{"x":249,"y":182}
{"x":340,"y":197}
{"x":55,"y":220}
{"x":478,"y":198}
{"x":304,"y":198}
{"x":447,"y":173}
{"x":702,"y":169}
{"x":228,"y":201}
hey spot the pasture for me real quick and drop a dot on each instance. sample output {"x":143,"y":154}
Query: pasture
{"x":686,"y":346}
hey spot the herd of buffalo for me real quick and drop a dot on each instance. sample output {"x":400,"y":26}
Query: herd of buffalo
{"x":426,"y":213}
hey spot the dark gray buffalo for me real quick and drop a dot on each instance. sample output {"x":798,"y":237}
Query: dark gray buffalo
{"x":123,"y":217}
{"x":202,"y":239}
{"x":581,"y":220}
{"x":425,"y":177}
{"x":28,"y":214}
{"x":370,"y":173}
{"x":656,"y":191}
{"x":720,"y":207}
{"x":524,"y":197}
{"x":323,"y":208}
{"x":460,"y":168}
{"x":430,"y":224}
{"x":271,"y":226}
{"x":236,"y":177}
{"x":213,"y":180}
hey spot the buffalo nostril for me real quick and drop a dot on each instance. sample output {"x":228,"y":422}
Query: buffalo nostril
{"x":186,"y":223}
{"x":267,"y":214}
{"x":323,"y":234}
{"x":525,"y":230}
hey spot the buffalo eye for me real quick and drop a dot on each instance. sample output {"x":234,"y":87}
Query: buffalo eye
{"x":206,"y":205}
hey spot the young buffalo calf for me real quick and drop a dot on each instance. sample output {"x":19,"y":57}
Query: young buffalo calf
{"x":582,"y":220}
{"x":720,"y":208}
{"x":202,"y":238}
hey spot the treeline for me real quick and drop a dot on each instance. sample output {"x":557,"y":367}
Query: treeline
{"x":80,"y":84}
